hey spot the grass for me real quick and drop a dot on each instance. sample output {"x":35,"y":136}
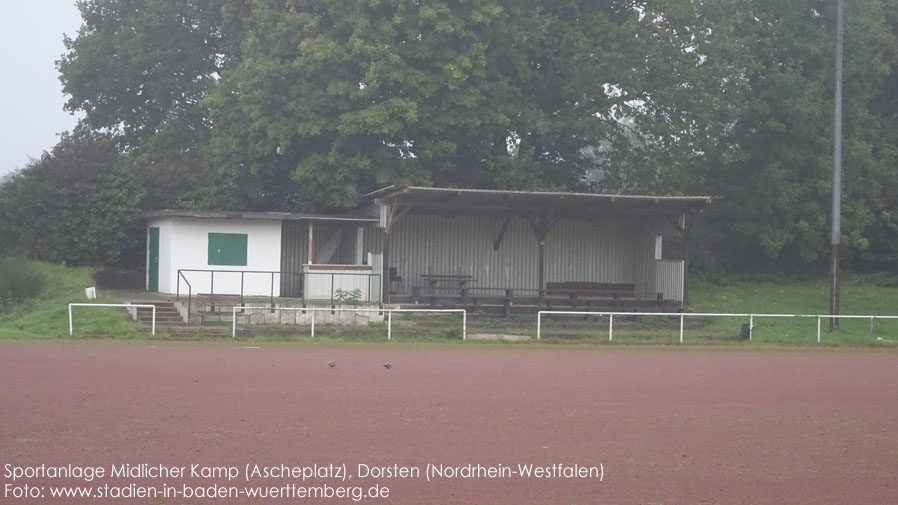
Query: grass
{"x":47,"y":315}
{"x":857,"y":296}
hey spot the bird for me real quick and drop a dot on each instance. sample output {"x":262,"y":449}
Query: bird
{"x":388,"y":365}
{"x":331,"y":364}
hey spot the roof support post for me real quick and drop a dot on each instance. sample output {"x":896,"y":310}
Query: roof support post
{"x":689,"y":219}
{"x":541,"y":226}
{"x":385,"y":268}
{"x":311,"y":256}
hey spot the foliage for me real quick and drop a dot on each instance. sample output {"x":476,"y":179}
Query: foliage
{"x":344,"y":297}
{"x":20,"y":280}
{"x":76,"y":204}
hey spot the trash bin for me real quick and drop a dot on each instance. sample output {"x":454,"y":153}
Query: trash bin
{"x":745,"y":332}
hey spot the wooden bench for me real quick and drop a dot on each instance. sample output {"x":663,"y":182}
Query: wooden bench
{"x":586,"y":293}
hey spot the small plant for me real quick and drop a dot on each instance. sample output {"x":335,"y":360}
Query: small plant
{"x":353,"y":297}
{"x":20,"y":279}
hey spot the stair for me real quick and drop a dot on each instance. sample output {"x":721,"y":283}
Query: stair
{"x":167,"y":316}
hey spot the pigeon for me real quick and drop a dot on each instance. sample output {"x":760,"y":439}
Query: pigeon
{"x":331,"y":364}
{"x":388,"y":365}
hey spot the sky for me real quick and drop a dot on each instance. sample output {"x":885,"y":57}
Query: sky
{"x":31,"y":97}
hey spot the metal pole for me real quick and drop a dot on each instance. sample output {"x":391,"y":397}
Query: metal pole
{"x":153,"y":331}
{"x":610,"y":327}
{"x":538,"y":323}
{"x":818,"y":329}
{"x":70,"y":320}
{"x":837,"y":177}
{"x":464,"y":325}
{"x":681,"y":327}
{"x":751,"y":326}
{"x":389,"y":324}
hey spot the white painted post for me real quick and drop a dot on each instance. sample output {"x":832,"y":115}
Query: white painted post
{"x":751,"y":326}
{"x":153,"y":325}
{"x":70,"y":320}
{"x":234,"y":322}
{"x":538,"y":323}
{"x":610,"y":327}
{"x":389,"y":324}
{"x":818,"y":329}
{"x":313,"y":319}
{"x":682,"y":316}
{"x":464,"y":325}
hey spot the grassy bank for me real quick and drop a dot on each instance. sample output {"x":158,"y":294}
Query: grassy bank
{"x":47,"y":314}
{"x":858,"y":296}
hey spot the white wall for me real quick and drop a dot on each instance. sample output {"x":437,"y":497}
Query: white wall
{"x":184,"y":244}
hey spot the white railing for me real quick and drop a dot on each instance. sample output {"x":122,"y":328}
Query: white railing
{"x":126,"y":305}
{"x":388,"y":312}
{"x":684,"y":315}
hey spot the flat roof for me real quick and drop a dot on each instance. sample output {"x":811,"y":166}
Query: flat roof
{"x":274,"y":216}
{"x":480,"y":201}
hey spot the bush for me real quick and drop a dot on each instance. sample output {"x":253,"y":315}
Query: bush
{"x":20,"y":279}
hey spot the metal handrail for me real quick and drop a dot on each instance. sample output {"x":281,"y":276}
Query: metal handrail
{"x":302,"y":283}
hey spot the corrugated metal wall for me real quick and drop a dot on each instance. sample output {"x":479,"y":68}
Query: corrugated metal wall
{"x":576,"y":250}
{"x":669,"y":279}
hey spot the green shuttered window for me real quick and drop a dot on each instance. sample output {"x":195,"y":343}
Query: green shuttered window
{"x":227,"y":249}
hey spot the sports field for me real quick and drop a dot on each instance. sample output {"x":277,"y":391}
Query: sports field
{"x":662,"y":425}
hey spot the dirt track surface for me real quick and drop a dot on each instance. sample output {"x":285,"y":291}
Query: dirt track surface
{"x":666,"y":425}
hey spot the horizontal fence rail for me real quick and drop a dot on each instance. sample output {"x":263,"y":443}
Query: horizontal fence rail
{"x":387,"y":312}
{"x":683,"y":315}
{"x":125,"y":305}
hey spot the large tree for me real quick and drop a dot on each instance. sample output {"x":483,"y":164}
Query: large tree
{"x":76,"y":204}
{"x":333,"y":98}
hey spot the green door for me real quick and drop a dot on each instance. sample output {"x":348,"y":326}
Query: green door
{"x":153,"y":284}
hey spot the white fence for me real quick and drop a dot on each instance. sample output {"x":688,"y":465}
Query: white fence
{"x":684,"y":315}
{"x":387,"y":312}
{"x":126,"y":305}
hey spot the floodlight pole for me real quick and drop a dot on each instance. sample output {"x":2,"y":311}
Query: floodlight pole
{"x":837,"y":177}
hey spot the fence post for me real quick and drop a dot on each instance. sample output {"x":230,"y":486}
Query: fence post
{"x":818,"y":329}
{"x":682,"y":317}
{"x":70,"y":320}
{"x":234,"y":322}
{"x":389,"y":324}
{"x":539,"y":315}
{"x":751,"y":326}
{"x":313,"y":321}
{"x":610,"y":327}
{"x":464,"y":324}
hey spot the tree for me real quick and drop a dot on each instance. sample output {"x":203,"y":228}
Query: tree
{"x":331,"y":99}
{"x":75,"y":204}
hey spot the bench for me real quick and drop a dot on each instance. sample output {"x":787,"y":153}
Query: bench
{"x":576,"y":292}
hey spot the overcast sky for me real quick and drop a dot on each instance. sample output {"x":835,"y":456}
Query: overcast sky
{"x":31,"y":96}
